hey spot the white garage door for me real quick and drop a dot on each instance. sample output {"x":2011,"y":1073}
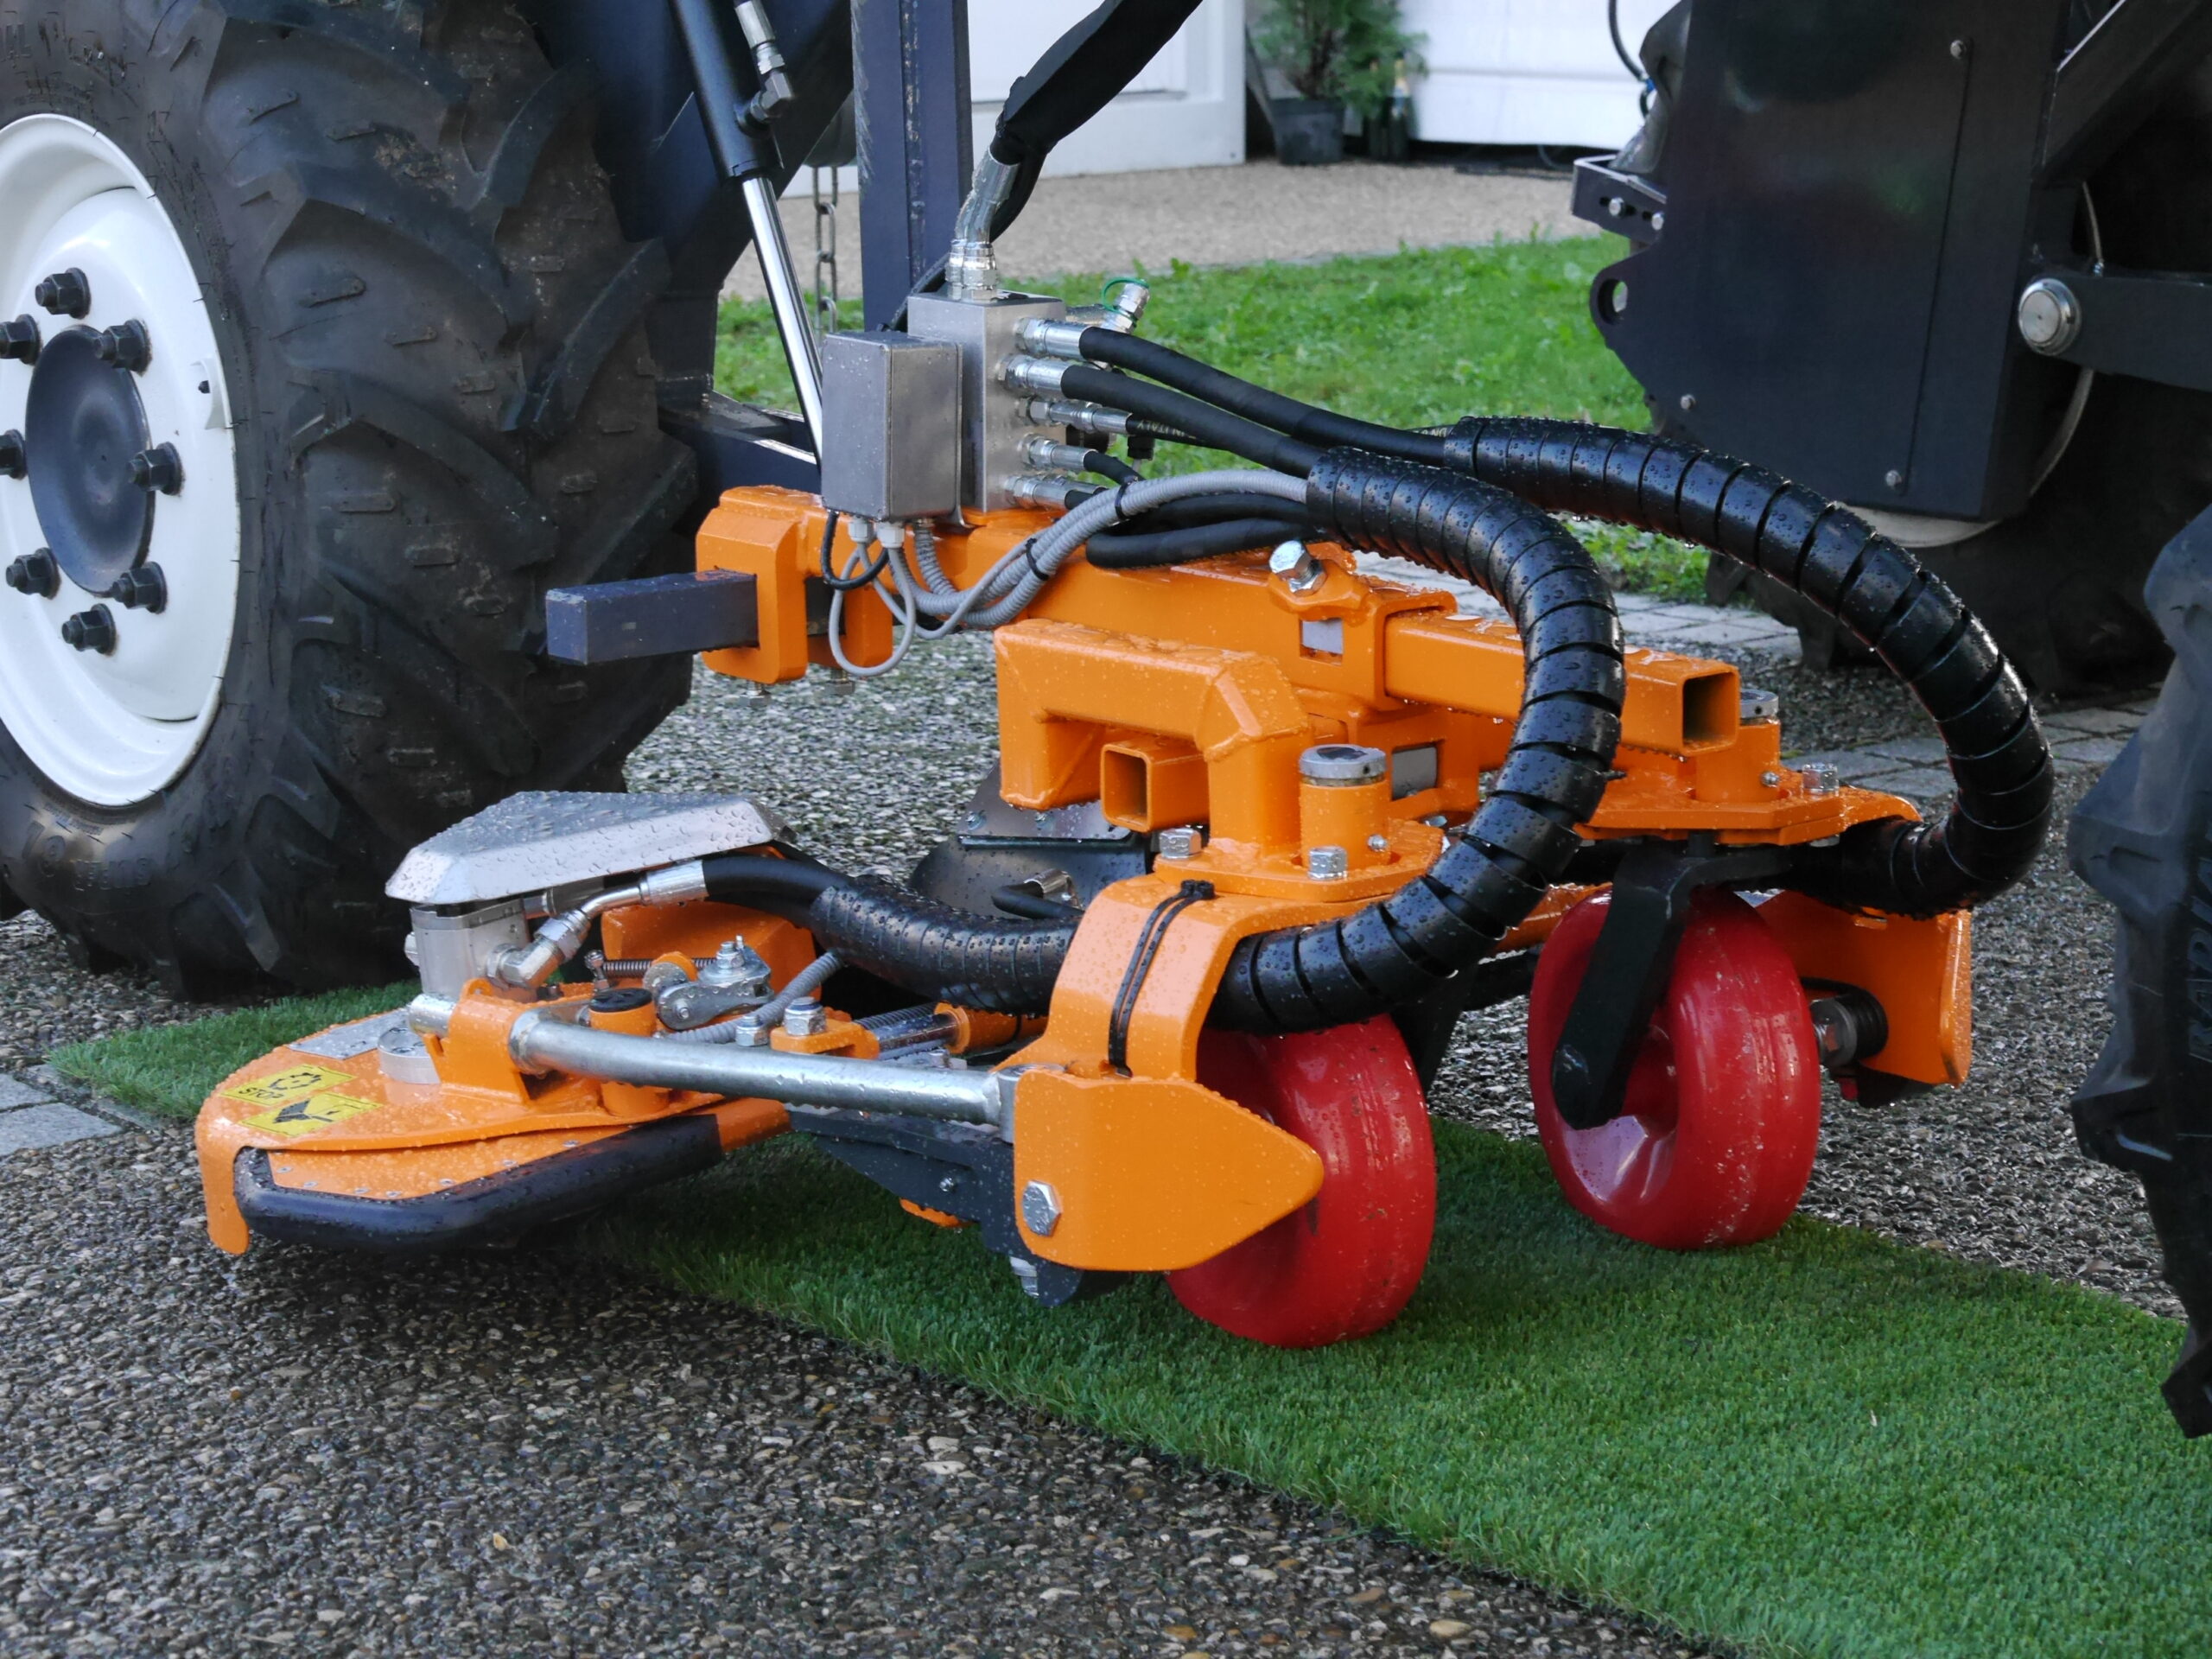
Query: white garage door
{"x":1526,"y":72}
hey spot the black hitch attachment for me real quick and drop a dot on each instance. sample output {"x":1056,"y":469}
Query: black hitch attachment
{"x":963,"y":1170}
{"x":1652,"y":892}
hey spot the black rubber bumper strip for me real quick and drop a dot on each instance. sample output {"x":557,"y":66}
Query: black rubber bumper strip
{"x":492,"y":1210}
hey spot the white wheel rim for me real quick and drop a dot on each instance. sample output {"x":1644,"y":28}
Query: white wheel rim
{"x":114,"y":730}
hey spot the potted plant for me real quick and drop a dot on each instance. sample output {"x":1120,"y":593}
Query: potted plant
{"x":1341,"y":57}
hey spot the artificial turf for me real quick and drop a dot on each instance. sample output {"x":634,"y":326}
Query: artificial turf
{"x":1414,"y":339}
{"x":1827,"y":1444}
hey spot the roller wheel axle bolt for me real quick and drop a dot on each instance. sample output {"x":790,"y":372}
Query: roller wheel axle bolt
{"x":14,"y":461}
{"x":159,"y":469}
{"x":19,"y":339}
{"x":142,"y":590}
{"x":92,"y":630}
{"x":127,"y":345}
{"x":67,"y":292}
{"x":36,"y":575}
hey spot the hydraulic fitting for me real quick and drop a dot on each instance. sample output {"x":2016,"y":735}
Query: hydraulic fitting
{"x":1048,"y":455}
{"x":1087,"y":417}
{"x":1034,"y":373}
{"x":1045,"y":489}
{"x":1052,"y":337}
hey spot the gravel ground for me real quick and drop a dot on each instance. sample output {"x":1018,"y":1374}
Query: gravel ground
{"x":495,"y":1454}
{"x":1225,"y":216}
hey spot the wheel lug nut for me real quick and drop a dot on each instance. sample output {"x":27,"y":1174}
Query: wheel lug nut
{"x":127,"y":345}
{"x":142,"y":590}
{"x":14,"y":460}
{"x":92,"y":630}
{"x":19,"y":340}
{"x":159,"y":469}
{"x":35,"y":574}
{"x":67,"y":292}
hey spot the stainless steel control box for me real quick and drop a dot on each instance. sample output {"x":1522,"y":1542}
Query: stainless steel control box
{"x":893,"y":432}
{"x":994,"y":415}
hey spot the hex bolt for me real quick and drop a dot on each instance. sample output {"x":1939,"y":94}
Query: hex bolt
{"x":1041,"y":1208}
{"x":805,"y":1017}
{"x":65,"y":294}
{"x":15,"y":460}
{"x":1327,"y":863}
{"x":1820,"y":778}
{"x":127,"y":345}
{"x":736,"y":966}
{"x":145,"y":588}
{"x":36,"y":575}
{"x":92,"y":630}
{"x":1181,"y":843}
{"x":19,"y":339}
{"x":160,"y":468}
{"x":1378,"y":843}
{"x":1301,"y":571}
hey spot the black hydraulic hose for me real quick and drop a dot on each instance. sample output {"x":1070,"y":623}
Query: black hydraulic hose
{"x":1110,"y":466}
{"x":1167,"y":547}
{"x":1213,"y":427}
{"x":1522,"y":839}
{"x":1194,"y":509}
{"x":782,"y":886}
{"x":1302,"y":421}
{"x":1905,"y":615}
{"x":1002,"y":964}
{"x":1521,"y":842}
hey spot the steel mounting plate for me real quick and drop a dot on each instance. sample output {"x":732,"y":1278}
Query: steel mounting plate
{"x":537,"y":841}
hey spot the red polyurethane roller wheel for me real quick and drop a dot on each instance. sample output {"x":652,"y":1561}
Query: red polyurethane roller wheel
{"x":1344,"y":1264}
{"x":1723,"y":1104}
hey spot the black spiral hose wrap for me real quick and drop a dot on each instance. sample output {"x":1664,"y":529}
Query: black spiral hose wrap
{"x":1904,"y":614}
{"x":1489,"y":878}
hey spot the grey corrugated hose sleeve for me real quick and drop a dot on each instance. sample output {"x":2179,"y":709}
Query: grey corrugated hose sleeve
{"x":1878,"y":590}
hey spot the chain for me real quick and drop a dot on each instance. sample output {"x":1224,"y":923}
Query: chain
{"x":827,"y":300}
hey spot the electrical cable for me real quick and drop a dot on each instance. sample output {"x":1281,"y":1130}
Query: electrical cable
{"x":1620,"y":47}
{"x":830,"y":578}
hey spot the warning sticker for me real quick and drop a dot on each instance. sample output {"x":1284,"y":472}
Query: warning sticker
{"x":301,"y":1100}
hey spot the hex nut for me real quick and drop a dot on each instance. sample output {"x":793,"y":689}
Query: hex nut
{"x":65,"y":294}
{"x":1755,"y":706}
{"x":1181,"y":843}
{"x":14,"y":459}
{"x":161,"y":468}
{"x":1327,"y":863}
{"x":127,"y":345}
{"x":1301,"y":571}
{"x":805,"y":1017}
{"x":1041,"y":1208}
{"x":92,"y":630}
{"x":37,"y":575}
{"x":19,"y":341}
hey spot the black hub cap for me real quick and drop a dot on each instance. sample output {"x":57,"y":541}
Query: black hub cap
{"x":84,"y":427}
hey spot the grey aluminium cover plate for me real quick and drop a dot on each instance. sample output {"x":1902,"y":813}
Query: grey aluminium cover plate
{"x":532,"y":841}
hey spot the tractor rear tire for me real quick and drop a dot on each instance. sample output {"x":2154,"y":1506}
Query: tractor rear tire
{"x":2143,"y":838}
{"x":2060,"y":585}
{"x":428,"y":344}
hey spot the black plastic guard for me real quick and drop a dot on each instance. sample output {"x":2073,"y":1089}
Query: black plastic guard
{"x":490,"y":1210}
{"x":2143,"y":838}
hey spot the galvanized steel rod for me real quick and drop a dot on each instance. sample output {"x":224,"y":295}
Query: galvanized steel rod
{"x":542,"y":1043}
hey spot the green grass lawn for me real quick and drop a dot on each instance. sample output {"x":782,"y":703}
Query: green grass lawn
{"x":1413,"y":338}
{"x":1824,"y":1445}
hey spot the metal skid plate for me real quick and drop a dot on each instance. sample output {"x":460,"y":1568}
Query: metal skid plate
{"x":530,"y":843}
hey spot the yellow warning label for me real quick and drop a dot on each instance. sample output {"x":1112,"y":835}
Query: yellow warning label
{"x":299,"y":1100}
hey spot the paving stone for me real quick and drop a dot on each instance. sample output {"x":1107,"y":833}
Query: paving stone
{"x":50,"y":1125}
{"x":2100,"y":722}
{"x":1916,"y":751}
{"x":14,"y":1092}
{"x":2089,"y":751}
{"x":1914,"y":783}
